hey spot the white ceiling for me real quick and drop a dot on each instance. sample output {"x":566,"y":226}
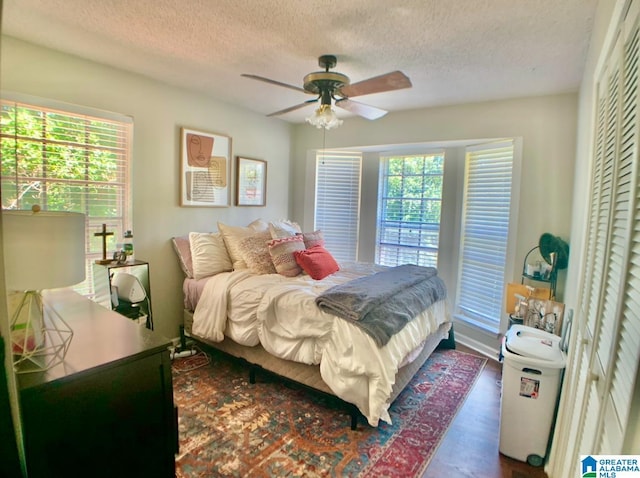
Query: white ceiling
{"x":454,"y":51}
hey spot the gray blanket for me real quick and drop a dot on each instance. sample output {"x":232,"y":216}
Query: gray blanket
{"x":382,"y":303}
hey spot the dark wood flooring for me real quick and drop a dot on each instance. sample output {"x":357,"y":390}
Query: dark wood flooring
{"x":470,"y":448}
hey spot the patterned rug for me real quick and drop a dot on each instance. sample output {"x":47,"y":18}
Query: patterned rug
{"x":229,"y":427}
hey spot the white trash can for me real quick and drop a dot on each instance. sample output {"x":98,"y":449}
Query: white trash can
{"x":531,"y":376}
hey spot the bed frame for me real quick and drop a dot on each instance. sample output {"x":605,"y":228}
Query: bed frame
{"x":309,"y":375}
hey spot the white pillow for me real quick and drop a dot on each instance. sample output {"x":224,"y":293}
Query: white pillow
{"x":232,"y":236}
{"x":283,"y":228}
{"x":208,"y":254}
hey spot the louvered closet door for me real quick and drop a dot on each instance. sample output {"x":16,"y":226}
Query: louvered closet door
{"x":573,"y":425}
{"x":610,"y":347}
{"x":620,"y":324}
{"x":603,"y":184}
{"x":600,"y":384}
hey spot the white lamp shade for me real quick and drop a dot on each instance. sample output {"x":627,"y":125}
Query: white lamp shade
{"x":43,"y":250}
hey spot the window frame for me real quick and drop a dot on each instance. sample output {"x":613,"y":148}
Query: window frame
{"x":477,"y":322}
{"x":383,"y":196}
{"x":116,"y":224}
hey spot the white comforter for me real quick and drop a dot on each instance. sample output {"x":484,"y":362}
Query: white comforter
{"x":281,"y":314}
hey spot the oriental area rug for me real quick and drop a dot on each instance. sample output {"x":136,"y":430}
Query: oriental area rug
{"x":273,"y":428}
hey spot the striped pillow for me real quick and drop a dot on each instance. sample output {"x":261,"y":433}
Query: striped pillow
{"x":282,"y":250}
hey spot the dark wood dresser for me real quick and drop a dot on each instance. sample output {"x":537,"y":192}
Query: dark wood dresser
{"x":108,"y":409}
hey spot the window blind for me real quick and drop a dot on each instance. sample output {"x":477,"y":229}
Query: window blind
{"x":68,"y":161}
{"x":337,"y":202}
{"x":485,"y":228}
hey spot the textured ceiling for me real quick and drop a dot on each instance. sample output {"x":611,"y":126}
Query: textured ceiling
{"x":454,"y":51}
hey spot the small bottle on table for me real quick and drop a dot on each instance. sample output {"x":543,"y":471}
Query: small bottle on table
{"x":128,"y":246}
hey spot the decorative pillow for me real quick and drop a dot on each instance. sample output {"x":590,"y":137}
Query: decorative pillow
{"x":209,"y":254}
{"x":283,"y":228}
{"x":183,"y":249}
{"x":232,"y":236}
{"x":282,"y":250}
{"x":317,"y":262}
{"x":255,"y":253}
{"x":313,"y":239}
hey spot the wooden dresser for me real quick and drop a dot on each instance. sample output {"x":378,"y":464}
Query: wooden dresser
{"x":108,"y":409}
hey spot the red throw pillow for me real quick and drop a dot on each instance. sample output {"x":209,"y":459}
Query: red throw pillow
{"x":317,"y":262}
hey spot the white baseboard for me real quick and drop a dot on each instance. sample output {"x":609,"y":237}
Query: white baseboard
{"x":479,"y":347}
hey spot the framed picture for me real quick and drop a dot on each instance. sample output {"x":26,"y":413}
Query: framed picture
{"x":205,"y":168}
{"x":251,"y":182}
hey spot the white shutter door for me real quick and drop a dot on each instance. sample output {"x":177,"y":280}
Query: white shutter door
{"x":599,"y":332}
{"x":607,"y":358}
{"x":622,"y":293}
{"x":602,"y":379}
{"x":596,"y":185}
{"x":574,"y":425}
{"x":604,"y":207}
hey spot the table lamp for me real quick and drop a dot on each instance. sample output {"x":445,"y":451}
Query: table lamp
{"x":42,"y":250}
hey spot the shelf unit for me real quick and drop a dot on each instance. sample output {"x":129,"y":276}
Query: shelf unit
{"x":551,"y":279}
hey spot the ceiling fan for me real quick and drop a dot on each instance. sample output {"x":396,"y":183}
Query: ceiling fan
{"x":331,"y":85}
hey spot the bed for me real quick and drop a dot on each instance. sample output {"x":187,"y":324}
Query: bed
{"x":265,"y":308}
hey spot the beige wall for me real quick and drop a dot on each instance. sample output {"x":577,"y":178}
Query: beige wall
{"x":158,"y":111}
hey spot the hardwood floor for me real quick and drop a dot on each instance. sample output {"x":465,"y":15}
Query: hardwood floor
{"x":470,"y":448}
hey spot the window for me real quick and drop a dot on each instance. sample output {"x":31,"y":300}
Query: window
{"x":68,"y":161}
{"x":485,"y":229}
{"x":409,"y":209}
{"x":337,"y":202}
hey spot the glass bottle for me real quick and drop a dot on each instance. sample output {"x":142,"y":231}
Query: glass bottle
{"x":128,"y":246}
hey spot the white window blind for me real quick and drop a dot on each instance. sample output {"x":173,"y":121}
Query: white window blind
{"x":68,"y":161}
{"x":485,"y":228}
{"x":409,"y":209}
{"x":337,"y":202}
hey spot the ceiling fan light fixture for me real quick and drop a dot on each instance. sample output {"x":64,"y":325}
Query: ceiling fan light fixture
{"x":332,"y":85}
{"x":324,"y":117}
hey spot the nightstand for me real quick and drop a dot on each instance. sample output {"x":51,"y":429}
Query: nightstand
{"x":104,"y":291}
{"x":108,"y":409}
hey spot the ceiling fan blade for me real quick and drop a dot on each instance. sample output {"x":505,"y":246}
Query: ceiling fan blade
{"x":366,"y":111}
{"x":273,"y":82}
{"x":293,"y":108}
{"x":396,"y":80}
